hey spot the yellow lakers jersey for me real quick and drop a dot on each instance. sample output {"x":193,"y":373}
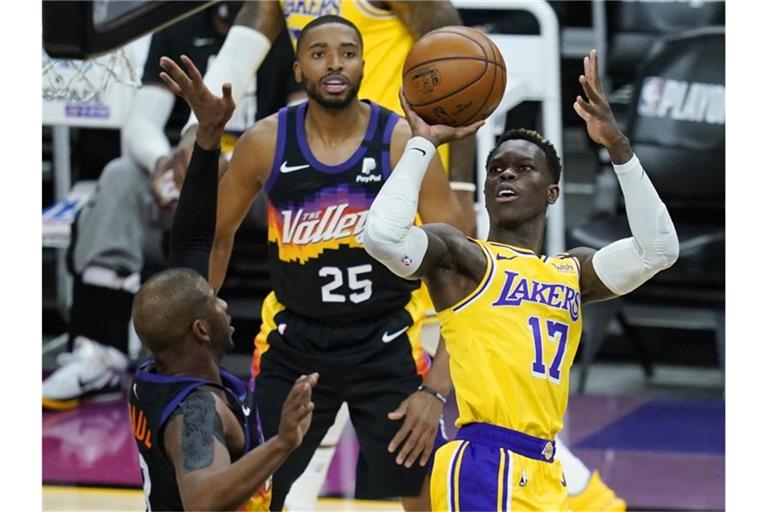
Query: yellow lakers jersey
{"x":512,"y":341}
{"x":386,"y":42}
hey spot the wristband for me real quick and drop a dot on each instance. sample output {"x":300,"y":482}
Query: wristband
{"x":435,"y":393}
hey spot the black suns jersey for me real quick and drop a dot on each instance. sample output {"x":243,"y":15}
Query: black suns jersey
{"x":152,"y":400}
{"x":316,"y":214}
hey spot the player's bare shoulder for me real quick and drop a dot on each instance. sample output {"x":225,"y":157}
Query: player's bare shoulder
{"x":256,"y":147}
{"x":456,"y":264}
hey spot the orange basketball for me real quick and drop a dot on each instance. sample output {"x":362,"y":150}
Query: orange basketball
{"x":454,"y":75}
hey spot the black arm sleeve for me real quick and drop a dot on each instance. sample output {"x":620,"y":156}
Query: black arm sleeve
{"x":194,"y":222}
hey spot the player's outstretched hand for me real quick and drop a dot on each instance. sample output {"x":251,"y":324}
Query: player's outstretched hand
{"x":595,"y":110}
{"x":437,"y":134}
{"x":212,"y":111}
{"x":297,"y":411}
{"x":416,"y":438}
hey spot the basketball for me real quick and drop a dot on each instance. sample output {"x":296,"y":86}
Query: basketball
{"x":454,"y":75}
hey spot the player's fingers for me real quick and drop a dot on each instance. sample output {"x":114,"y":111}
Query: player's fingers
{"x":596,"y":73}
{"x":466,"y":131}
{"x":596,"y":98}
{"x":404,"y":101}
{"x":421,"y":451}
{"x":192,"y":71}
{"x":305,"y":410}
{"x":226,"y":92}
{"x":580,"y":111}
{"x":171,"y":84}
{"x":588,"y":107}
{"x":427,"y":453}
{"x":407,"y":447}
{"x":313,"y":378}
{"x":399,"y":412}
{"x":175,"y":72}
{"x":399,"y":436}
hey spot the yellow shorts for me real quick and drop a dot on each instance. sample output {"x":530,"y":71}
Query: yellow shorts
{"x":471,"y":476}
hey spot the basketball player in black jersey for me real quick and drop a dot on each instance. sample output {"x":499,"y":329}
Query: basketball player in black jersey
{"x":200,"y":442}
{"x":334,"y":309}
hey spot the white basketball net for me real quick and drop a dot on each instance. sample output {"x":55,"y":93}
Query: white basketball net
{"x":87,"y":80}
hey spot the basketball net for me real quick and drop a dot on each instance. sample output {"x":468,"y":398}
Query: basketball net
{"x":87,"y":80}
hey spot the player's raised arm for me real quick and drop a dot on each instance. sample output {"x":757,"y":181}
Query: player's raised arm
{"x":390,"y":235}
{"x":622,"y":266}
{"x":198,"y":213}
{"x":195,"y":217}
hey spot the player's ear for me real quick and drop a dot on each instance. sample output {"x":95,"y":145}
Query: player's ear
{"x":553,"y":192}
{"x":201,"y":329}
{"x":297,"y":72}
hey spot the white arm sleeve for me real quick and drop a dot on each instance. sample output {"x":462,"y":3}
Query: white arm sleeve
{"x":240,"y":56}
{"x":389,"y":234}
{"x":144,"y":132}
{"x":626,"y":264}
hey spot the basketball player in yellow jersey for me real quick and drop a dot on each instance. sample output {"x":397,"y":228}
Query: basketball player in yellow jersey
{"x":510,"y":316}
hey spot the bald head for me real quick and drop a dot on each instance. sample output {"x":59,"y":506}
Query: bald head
{"x":166,"y":306}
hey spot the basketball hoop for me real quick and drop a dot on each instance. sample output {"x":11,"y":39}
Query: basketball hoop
{"x":87,"y":80}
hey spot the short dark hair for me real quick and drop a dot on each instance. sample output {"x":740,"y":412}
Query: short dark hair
{"x":166,"y":305}
{"x":550,"y":153}
{"x":325,"y":20}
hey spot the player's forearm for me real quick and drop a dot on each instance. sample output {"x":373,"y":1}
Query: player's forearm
{"x":389,"y":234}
{"x":232,"y":487}
{"x":625,"y":264}
{"x":439,"y":375}
{"x":220,"y":254}
{"x":195,"y":219}
{"x":266,"y":17}
{"x":461,"y":172}
{"x":621,"y":150}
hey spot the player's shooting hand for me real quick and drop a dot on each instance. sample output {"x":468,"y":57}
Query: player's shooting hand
{"x":595,"y":110}
{"x":416,"y":438}
{"x":212,"y":111}
{"x":297,"y":411}
{"x":437,"y":134}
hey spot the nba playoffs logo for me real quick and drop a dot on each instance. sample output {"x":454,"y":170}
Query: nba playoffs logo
{"x":682,"y":101}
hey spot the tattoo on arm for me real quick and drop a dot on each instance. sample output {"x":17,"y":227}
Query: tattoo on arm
{"x":201,"y":424}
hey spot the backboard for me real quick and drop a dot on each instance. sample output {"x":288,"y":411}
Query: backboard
{"x":89,"y":28}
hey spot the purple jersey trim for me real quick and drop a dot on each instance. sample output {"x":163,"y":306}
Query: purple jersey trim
{"x":385,"y":160}
{"x":352,"y":160}
{"x":282,"y":127}
{"x":512,"y":440}
{"x":231,"y":384}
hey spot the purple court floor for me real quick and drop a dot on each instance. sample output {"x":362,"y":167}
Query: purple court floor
{"x":656,"y":453}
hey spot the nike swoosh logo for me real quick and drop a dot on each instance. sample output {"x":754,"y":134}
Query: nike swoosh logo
{"x":423,"y":153}
{"x":386,"y":337}
{"x":285,"y":168}
{"x":84,"y":383}
{"x":246,"y":410}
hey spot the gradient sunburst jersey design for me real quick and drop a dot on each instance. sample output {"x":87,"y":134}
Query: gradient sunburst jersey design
{"x":333,"y":217}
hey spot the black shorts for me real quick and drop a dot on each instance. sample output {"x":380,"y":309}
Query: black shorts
{"x":355,"y":366}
